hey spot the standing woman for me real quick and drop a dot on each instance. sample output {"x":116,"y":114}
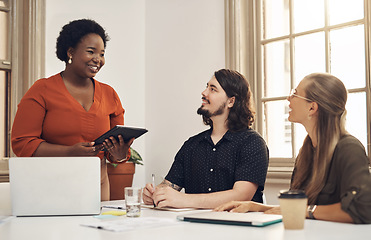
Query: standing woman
{"x":62,"y":115}
{"x":332,"y":166}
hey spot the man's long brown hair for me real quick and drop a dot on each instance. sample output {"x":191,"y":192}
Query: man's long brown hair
{"x":242,"y":114}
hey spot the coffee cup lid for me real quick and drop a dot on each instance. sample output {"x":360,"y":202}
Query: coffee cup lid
{"x":292,"y":194}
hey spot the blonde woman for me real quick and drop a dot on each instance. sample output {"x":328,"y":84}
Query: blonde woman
{"x":332,"y":166}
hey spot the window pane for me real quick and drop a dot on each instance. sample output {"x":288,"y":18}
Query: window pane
{"x":275,"y":17}
{"x":309,"y":55}
{"x":357,"y":116}
{"x":339,"y":50}
{"x":341,"y":11}
{"x":299,"y":136}
{"x":4,"y":35}
{"x":276,"y":69}
{"x":277,"y":129}
{"x":348,"y":56}
{"x":308,"y":15}
{"x":2,"y":113}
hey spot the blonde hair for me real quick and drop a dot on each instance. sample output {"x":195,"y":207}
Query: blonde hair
{"x":311,"y":165}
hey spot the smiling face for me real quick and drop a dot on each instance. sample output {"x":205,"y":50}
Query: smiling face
{"x":299,"y":107}
{"x":87,"y":56}
{"x":215,"y":101}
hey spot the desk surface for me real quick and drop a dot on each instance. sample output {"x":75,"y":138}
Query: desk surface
{"x":55,"y":228}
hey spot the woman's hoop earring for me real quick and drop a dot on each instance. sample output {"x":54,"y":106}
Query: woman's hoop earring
{"x":70,"y":60}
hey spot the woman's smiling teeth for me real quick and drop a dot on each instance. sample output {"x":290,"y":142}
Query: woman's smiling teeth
{"x":94,"y":68}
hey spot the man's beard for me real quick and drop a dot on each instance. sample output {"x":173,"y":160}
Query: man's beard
{"x":207,"y":114}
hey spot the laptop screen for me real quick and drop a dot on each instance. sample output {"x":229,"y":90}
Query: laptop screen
{"x":47,"y":186}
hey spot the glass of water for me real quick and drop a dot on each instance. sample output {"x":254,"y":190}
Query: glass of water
{"x":133,"y":198}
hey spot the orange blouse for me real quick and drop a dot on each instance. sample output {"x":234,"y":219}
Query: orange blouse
{"x":48,"y":112}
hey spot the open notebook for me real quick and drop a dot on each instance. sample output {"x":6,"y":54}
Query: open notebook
{"x":54,"y":186}
{"x":257,"y":219}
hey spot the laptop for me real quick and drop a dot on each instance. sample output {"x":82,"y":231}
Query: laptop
{"x":257,"y":219}
{"x":54,"y":186}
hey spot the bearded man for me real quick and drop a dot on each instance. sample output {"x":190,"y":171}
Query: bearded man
{"x":227,"y":162}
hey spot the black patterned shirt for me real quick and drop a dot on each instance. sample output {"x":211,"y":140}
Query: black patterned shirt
{"x":200,"y":166}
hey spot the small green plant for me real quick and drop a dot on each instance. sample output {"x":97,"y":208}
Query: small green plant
{"x":134,"y":158}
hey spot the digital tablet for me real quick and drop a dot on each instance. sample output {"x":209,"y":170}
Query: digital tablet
{"x":256,"y":219}
{"x":126,"y":132}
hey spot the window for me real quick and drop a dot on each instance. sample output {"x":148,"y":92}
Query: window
{"x":295,"y":38}
{"x":5,"y":68}
{"x":21,"y":62}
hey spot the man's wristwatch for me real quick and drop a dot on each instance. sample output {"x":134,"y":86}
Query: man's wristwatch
{"x":310,"y":210}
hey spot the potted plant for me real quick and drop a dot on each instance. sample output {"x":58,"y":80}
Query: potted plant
{"x":121,"y":175}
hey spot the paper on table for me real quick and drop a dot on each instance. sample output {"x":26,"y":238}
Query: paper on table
{"x":3,"y":219}
{"x":169,"y":208}
{"x":114,"y":213}
{"x":122,"y":206}
{"x":129,"y":224}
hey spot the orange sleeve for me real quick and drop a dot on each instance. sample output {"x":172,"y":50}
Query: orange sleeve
{"x":117,"y":118}
{"x":27,"y":125}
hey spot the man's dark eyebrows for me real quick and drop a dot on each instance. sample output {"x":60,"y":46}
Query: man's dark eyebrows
{"x":212,"y":85}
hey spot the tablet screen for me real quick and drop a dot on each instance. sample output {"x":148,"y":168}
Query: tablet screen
{"x":126,"y":132}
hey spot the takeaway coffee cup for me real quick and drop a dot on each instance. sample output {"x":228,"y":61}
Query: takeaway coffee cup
{"x":293,"y":204}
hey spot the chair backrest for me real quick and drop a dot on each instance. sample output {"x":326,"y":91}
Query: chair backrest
{"x":5,"y":203}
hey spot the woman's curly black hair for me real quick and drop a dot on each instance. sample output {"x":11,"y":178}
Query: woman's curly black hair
{"x":72,"y":33}
{"x":242,"y":114}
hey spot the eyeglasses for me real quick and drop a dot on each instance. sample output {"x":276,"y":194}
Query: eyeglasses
{"x":293,"y":94}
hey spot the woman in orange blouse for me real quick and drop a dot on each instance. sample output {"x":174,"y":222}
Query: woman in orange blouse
{"x":62,"y":115}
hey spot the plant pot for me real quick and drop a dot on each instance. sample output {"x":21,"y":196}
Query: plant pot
{"x":120,"y":177}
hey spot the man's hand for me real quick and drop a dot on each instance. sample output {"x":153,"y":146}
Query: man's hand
{"x":165,"y":196}
{"x":148,"y":194}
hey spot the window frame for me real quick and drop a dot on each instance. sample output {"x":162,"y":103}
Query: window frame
{"x":243,"y":29}
{"x":5,"y":65}
{"x":27,"y":57}
{"x":288,"y":162}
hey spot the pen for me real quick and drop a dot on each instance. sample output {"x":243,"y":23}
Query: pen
{"x":154,"y":186}
{"x":114,"y":207}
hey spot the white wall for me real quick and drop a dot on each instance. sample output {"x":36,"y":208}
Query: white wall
{"x":184,"y":46}
{"x":159,"y":58}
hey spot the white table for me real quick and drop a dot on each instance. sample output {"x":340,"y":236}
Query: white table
{"x":69,"y":228}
